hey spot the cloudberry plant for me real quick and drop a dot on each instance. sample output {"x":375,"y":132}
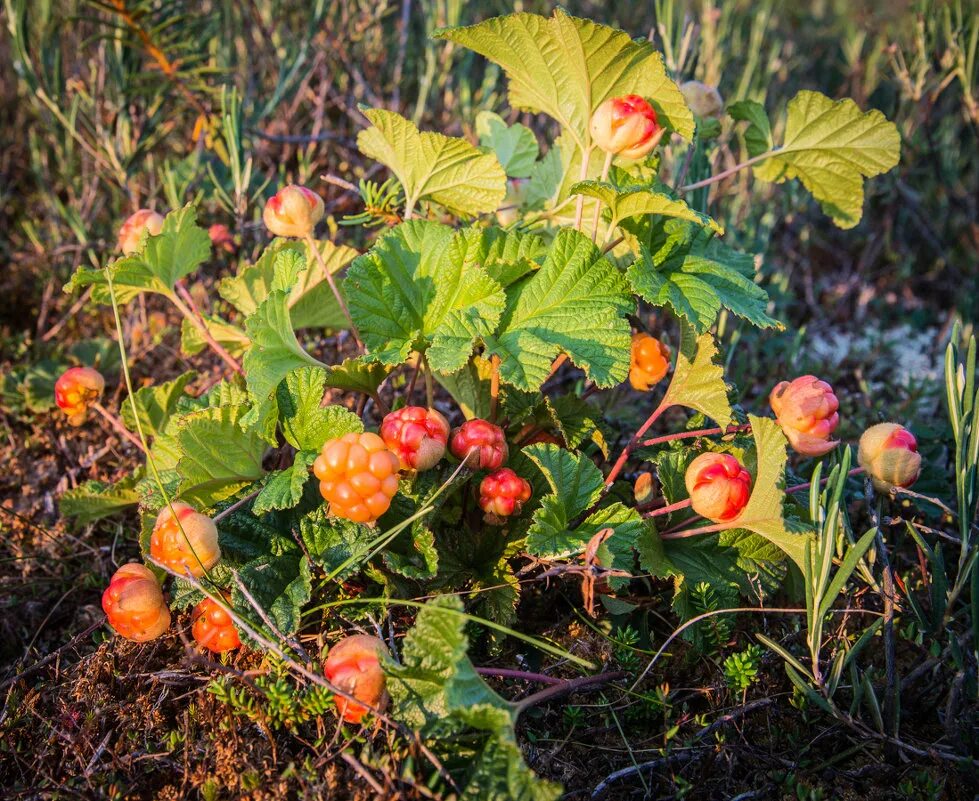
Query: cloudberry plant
{"x":417,"y":435}
{"x":358,"y":476}
{"x":480,"y":444}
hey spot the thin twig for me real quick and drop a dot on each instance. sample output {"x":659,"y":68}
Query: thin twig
{"x":117,"y":425}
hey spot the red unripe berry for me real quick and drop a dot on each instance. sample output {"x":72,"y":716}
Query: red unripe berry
{"x":480,"y":444}
{"x":353,"y":665}
{"x":131,"y":232}
{"x":502,"y":494}
{"x":626,"y":126}
{"x":213,"y":628}
{"x":889,"y":454}
{"x":416,"y":435}
{"x":133,"y":603}
{"x":293,"y":211}
{"x":358,"y":476}
{"x":76,"y":390}
{"x":718,"y":485}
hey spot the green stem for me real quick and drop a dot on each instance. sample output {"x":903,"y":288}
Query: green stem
{"x":311,"y":244}
{"x":598,"y":204}
{"x":582,"y":175}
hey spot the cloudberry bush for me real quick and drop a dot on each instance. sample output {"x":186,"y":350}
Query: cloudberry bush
{"x":514,"y":290}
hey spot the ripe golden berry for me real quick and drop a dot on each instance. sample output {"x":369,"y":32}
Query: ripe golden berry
{"x":650,"y":362}
{"x":358,"y":476}
{"x":185,"y":540}
{"x":213,"y":628}
{"x":353,"y":665}
{"x":133,"y":603}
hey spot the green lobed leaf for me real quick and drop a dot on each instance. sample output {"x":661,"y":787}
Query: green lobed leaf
{"x":155,"y":405}
{"x":578,"y":421}
{"x":177,"y":251}
{"x":566,"y":67}
{"x":764,"y":513}
{"x":215,"y":457}
{"x":435,"y":678}
{"x":515,"y":145}
{"x":574,"y":304}
{"x":572,"y":477}
{"x":94,"y":500}
{"x":306,"y":423}
{"x":332,"y":541}
{"x":436,"y":691}
{"x":697,"y":276}
{"x":280,"y":585}
{"x":423,"y":287}
{"x":758,"y":135}
{"x":311,"y":302}
{"x":284,"y":488}
{"x":831,"y":147}
{"x":698,"y":383}
{"x":637,"y":202}
{"x":431,"y":166}
{"x":228,"y":335}
{"x":275,"y":351}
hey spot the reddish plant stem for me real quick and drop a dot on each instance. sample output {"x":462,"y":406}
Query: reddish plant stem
{"x":193,"y":315}
{"x":627,"y":450}
{"x":494,"y":388}
{"x":567,"y":688}
{"x":666,"y":510}
{"x":702,"y":432}
{"x":117,"y":426}
{"x":522,"y":675}
{"x":693,"y":532}
{"x":800,"y":487}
